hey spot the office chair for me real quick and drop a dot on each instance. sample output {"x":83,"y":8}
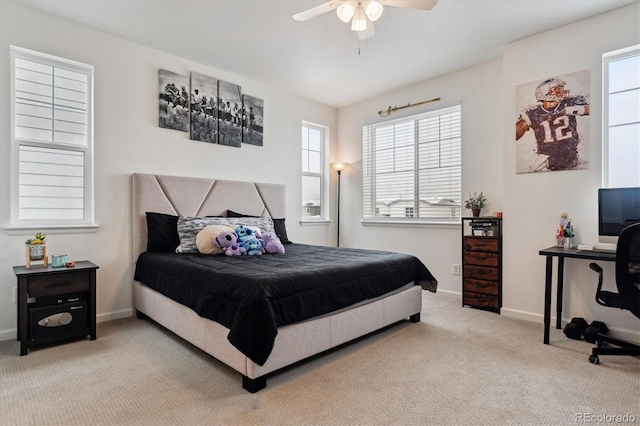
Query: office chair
{"x":628,"y":296}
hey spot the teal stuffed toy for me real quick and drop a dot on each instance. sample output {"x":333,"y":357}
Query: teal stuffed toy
{"x":244,"y":233}
{"x":252,"y":247}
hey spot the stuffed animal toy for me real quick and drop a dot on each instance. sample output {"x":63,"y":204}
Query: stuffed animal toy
{"x":234,"y":250}
{"x":253,"y":247}
{"x":272,"y":243}
{"x":225,"y":239}
{"x":244,"y":233}
{"x":205,"y":239}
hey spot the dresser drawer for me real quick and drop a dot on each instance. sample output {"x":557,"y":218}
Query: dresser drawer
{"x":481,"y":300}
{"x":481,"y":286}
{"x":50,"y":285}
{"x":481,"y":244}
{"x":480,"y":258}
{"x":481,"y":272}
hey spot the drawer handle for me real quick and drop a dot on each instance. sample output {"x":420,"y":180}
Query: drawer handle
{"x":59,"y":284}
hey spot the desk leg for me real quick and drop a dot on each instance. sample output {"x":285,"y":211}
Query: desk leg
{"x":560,"y":292}
{"x":547,"y":298}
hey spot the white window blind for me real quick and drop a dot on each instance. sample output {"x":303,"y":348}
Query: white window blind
{"x":312,"y":172}
{"x":621,"y":153}
{"x":52,"y":140}
{"x":412,"y":167}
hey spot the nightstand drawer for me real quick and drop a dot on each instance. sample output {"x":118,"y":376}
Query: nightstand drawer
{"x":50,"y":285}
{"x":480,"y":258}
{"x":481,"y":272}
{"x":481,"y":300}
{"x":481,"y":286}
{"x":481,"y":244}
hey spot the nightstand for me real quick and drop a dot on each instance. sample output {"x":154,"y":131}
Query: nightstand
{"x":482,"y":263}
{"x":55,"y":304}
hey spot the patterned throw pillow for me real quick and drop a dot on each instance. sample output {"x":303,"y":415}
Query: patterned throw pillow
{"x":189,"y":227}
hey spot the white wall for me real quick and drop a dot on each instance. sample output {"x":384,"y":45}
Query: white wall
{"x":128,"y":140}
{"x":534,"y":202}
{"x":479,"y":91}
{"x":531,"y":203}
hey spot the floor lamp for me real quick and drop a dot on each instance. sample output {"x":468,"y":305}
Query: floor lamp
{"x":339,"y":167}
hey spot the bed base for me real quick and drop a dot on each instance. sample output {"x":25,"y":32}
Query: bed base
{"x":293,"y":343}
{"x":189,"y":196}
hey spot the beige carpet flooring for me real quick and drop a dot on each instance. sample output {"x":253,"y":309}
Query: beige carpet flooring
{"x":458,"y":366}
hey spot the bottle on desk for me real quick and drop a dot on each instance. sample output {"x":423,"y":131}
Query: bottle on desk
{"x":560,"y":237}
{"x":568,"y":236}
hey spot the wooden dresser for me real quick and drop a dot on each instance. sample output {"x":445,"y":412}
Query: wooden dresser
{"x":482,"y":263}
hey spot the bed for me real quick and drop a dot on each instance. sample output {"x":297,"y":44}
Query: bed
{"x":258,"y":314}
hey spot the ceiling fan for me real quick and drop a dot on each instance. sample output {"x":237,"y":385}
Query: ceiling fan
{"x":362,"y":13}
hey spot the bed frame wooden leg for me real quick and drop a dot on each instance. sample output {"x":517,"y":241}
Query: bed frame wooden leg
{"x":254,"y":385}
{"x":140,"y":315}
{"x":415,"y":317}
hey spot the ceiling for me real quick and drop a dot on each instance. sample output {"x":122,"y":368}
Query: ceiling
{"x":322,"y":59}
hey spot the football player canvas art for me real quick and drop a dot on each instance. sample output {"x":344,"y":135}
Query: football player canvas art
{"x":552,"y":128}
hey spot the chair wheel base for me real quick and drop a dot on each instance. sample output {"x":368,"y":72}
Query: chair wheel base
{"x":594,"y":359}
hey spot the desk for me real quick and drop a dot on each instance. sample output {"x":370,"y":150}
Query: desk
{"x":561,"y":254}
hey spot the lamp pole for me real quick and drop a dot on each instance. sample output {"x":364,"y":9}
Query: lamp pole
{"x":338,"y":215}
{"x":339,"y":167}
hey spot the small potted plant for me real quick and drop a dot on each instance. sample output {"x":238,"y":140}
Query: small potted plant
{"x":36,"y":246}
{"x":475,"y":203}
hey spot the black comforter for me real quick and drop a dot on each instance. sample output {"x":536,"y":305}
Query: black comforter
{"x":253,"y":295}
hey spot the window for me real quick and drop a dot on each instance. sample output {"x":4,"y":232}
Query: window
{"x":412,"y":167}
{"x":52,"y":176}
{"x":621,"y":139}
{"x":313,"y":167}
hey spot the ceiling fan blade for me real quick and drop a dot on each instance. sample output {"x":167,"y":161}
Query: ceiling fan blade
{"x":318,"y":10}
{"x":411,"y":4}
{"x":368,"y":33}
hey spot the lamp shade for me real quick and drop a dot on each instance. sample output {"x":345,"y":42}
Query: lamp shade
{"x":339,"y":166}
{"x":359,"y":21}
{"x":373,"y":10}
{"x":345,"y":11}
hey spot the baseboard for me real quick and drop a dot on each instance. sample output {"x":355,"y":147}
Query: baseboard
{"x":12,"y":333}
{"x":114,"y":315}
{"x":620,"y":333}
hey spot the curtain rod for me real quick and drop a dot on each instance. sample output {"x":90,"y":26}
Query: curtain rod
{"x":386,"y":112}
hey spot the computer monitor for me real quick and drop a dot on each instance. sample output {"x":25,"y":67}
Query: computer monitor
{"x":617,"y":209}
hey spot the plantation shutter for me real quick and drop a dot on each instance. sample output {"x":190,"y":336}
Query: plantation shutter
{"x":412,"y":167}
{"x":51,"y":129}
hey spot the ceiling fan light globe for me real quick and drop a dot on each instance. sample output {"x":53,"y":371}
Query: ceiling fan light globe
{"x":359,"y":21}
{"x":345,"y":11}
{"x":373,"y":10}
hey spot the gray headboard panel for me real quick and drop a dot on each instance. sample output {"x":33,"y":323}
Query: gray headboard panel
{"x":188,"y":196}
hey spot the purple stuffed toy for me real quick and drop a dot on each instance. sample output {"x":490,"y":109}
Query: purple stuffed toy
{"x":272,"y":243}
{"x":234,"y":250}
{"x":225,"y":239}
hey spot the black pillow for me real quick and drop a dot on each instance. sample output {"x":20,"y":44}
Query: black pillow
{"x":162,"y":232}
{"x":278,"y":226}
{"x":281,"y":230}
{"x":231,"y":213}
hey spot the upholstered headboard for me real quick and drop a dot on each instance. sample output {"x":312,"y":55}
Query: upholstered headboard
{"x":187,"y":196}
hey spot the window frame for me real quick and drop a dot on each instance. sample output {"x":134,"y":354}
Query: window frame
{"x":607,"y":59}
{"x":447,"y":219}
{"x":88,"y":221}
{"x":324,"y":155}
